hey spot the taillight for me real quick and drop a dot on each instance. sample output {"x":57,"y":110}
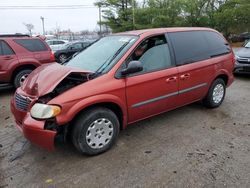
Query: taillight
{"x":52,"y":56}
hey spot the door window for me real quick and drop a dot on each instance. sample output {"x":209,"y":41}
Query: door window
{"x":189,"y":46}
{"x":5,"y":49}
{"x":153,"y":53}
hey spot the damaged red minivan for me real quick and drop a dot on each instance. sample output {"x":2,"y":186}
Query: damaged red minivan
{"x":121,"y":79}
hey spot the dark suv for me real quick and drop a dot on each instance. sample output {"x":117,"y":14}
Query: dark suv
{"x":19,"y":55}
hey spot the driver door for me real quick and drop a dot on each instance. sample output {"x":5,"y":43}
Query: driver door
{"x":155,"y":89}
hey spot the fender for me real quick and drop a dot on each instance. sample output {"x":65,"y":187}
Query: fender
{"x":68,"y":115}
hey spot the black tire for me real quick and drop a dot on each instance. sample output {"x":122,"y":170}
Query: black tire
{"x":208,"y":101}
{"x":62,"y":56}
{"x":19,"y":76}
{"x":82,"y":124}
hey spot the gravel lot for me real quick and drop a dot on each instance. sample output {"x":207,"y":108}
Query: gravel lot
{"x":188,"y":147}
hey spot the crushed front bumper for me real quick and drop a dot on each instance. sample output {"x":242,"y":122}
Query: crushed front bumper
{"x":33,"y":129}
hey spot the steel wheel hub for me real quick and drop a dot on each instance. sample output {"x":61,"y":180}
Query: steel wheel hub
{"x":23,"y":78}
{"x":99,"y":133}
{"x":218,"y":93}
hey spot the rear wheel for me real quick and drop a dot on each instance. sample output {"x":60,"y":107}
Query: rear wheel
{"x":62,"y":58}
{"x":95,"y":131}
{"x":215,"y":94}
{"x":21,"y":76}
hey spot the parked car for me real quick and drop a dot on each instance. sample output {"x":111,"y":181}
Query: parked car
{"x":242,"y":64}
{"x":240,"y":38}
{"x":119,"y":80}
{"x":69,"y":49}
{"x":56,"y":44}
{"x":19,"y":55}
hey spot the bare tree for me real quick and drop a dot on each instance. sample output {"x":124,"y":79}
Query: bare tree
{"x":29,"y":27}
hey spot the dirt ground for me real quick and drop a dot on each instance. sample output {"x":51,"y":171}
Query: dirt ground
{"x":188,"y":147}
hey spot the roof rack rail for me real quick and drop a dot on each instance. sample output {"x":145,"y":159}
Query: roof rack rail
{"x":14,"y":35}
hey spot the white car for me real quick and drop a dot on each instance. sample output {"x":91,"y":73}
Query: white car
{"x":56,"y":44}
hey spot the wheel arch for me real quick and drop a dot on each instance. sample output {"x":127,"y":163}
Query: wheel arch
{"x":114,"y":107}
{"x":20,"y":68}
{"x":109,"y":101}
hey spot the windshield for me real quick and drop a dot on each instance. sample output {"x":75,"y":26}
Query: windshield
{"x":102,"y":54}
{"x":247,"y":45}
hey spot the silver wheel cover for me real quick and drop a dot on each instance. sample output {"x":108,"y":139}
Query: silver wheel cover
{"x":218,"y":93}
{"x":99,"y":133}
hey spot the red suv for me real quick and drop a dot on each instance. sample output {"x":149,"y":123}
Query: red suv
{"x":121,"y":79}
{"x":19,"y":55}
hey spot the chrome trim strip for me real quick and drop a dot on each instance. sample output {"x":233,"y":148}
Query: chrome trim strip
{"x":154,"y":99}
{"x":168,"y":95}
{"x":192,"y":88}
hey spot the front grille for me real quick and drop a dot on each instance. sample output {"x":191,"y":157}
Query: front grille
{"x":22,"y":102}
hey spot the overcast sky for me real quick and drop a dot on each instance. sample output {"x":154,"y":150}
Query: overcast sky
{"x":11,"y":21}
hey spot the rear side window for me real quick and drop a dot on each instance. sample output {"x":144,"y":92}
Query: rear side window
{"x":189,"y":47}
{"x":33,"y":45}
{"x":5,"y":49}
{"x":217,"y":44}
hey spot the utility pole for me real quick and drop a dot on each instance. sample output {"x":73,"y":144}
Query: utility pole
{"x":42,"y":18}
{"x":100,"y":18}
{"x":133,"y":10}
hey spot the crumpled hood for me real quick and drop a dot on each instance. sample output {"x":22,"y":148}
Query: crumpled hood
{"x":243,"y":52}
{"x":45,"y":78}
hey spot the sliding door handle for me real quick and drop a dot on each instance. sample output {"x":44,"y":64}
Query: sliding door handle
{"x":185,"y":76}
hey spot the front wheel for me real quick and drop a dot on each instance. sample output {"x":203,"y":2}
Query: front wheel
{"x":216,"y":94}
{"x":95,"y":131}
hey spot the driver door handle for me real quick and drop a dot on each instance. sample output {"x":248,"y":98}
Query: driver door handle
{"x":171,"y":79}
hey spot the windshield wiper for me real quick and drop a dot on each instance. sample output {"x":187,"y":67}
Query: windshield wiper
{"x":109,"y":60}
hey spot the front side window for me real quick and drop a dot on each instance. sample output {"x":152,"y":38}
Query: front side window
{"x":33,"y":45}
{"x":153,"y":53}
{"x":5,"y":49}
{"x":103,"y":54}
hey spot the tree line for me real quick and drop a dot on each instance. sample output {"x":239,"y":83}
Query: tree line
{"x":227,"y":16}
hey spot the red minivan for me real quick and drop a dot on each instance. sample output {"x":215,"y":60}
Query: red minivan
{"x":121,"y":79}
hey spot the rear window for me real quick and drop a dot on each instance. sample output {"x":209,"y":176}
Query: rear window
{"x":217,"y":44}
{"x":193,"y":46}
{"x":33,"y":45}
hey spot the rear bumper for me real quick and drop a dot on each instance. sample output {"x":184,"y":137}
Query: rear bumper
{"x":34,"y":130}
{"x":241,"y":68}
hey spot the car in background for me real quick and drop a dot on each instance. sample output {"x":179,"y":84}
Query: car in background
{"x":69,"y":49}
{"x":56,"y":44}
{"x":19,"y":55}
{"x":242,"y":55}
{"x":240,"y":38}
{"x":119,"y":80}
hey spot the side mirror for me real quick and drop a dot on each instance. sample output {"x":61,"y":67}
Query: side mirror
{"x":133,"y":67}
